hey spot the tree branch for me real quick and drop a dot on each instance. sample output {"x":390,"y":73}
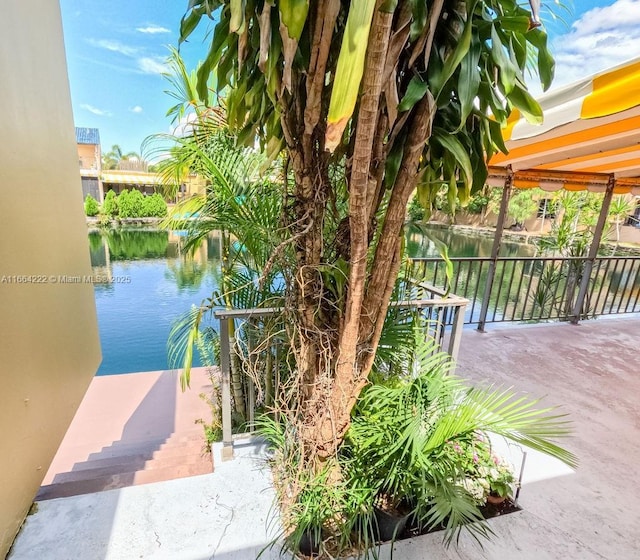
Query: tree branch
{"x":326,"y":16}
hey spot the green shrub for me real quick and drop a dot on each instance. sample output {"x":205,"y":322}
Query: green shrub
{"x":154,"y":206}
{"x":110,"y":205}
{"x":130,"y":204}
{"x":415,"y":210}
{"x":136,"y":199}
{"x":91,"y":207}
{"x":477,"y":204}
{"x":124,"y":210}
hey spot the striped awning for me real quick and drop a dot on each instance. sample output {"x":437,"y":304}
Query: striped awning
{"x":591,"y":130}
{"x":131,"y":178}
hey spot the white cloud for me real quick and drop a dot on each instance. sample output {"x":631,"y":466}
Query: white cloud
{"x":114,"y":46}
{"x":153,"y":29}
{"x":95,"y":110}
{"x":136,"y":109}
{"x":601,"y":38}
{"x":155,"y":65}
{"x":184,"y":126}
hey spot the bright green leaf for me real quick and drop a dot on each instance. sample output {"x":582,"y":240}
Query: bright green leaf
{"x":236,"y":24}
{"x":455,"y":58}
{"x":526,"y":104}
{"x":507,"y":70}
{"x":350,"y":68}
{"x":293,"y":14}
{"x":454,"y":147}
{"x":468,"y":81}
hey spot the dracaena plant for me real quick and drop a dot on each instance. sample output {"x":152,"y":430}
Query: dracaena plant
{"x":366,"y":101}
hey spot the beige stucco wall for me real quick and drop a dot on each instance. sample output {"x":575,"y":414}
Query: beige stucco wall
{"x":49,"y":348}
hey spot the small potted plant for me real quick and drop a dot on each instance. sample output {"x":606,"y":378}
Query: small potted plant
{"x":484,"y":475}
{"x":501,"y":479}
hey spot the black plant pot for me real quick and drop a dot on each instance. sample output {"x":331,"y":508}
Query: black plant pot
{"x":390,"y":525}
{"x":310,"y":543}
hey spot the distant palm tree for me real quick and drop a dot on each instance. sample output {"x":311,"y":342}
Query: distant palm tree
{"x":619,"y":210}
{"x":112,"y":158}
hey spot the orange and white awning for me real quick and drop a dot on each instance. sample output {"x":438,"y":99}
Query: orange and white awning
{"x":131,"y":178}
{"x":591,"y":130}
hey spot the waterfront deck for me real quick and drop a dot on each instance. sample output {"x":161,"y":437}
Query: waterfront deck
{"x":591,"y":370}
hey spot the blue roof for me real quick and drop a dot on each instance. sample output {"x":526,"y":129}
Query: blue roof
{"x":87,"y":135}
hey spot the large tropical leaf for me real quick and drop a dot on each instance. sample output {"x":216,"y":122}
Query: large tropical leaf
{"x":346,"y":84}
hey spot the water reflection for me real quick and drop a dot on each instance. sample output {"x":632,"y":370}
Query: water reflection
{"x":147,"y":282}
{"x":420,"y":243}
{"x":162,"y":283}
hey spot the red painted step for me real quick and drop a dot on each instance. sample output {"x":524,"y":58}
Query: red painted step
{"x":132,"y":429}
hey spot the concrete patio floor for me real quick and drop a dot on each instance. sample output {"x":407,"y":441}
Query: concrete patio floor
{"x":592,"y":371}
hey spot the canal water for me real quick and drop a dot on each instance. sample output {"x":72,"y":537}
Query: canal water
{"x":154,"y":284}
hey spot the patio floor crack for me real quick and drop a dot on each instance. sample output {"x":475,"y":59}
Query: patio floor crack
{"x":224,"y":532}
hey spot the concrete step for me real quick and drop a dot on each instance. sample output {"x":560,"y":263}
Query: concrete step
{"x":179,"y":452}
{"x":87,"y":448}
{"x":92,"y":470}
{"x":121,"y":480}
{"x":117,"y":449}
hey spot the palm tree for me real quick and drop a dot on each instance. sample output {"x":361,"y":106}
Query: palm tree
{"x":401,"y":429}
{"x":112,"y":158}
{"x":619,"y":210}
{"x":239,"y":204}
{"x":405,"y":446}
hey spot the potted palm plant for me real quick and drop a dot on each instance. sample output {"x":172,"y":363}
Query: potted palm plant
{"x":404,"y":428}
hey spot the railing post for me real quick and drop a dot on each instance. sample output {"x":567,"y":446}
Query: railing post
{"x":593,"y":250}
{"x":495,"y":251}
{"x":456,"y":330}
{"x":225,"y":388}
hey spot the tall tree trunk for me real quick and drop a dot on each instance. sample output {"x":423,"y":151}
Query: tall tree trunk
{"x":368,"y":294}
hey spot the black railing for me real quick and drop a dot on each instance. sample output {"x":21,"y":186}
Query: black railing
{"x":537,"y":288}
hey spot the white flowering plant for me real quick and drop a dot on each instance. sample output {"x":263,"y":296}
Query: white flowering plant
{"x":481,"y":471}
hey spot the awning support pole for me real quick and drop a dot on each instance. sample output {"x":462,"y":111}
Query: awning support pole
{"x":495,"y":251}
{"x":593,"y":251}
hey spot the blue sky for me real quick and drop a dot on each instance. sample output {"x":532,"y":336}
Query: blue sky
{"x":115,"y":55}
{"x":116,"y":51}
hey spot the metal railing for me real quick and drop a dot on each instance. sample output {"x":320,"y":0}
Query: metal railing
{"x":538,"y":288}
{"x":242,"y":392}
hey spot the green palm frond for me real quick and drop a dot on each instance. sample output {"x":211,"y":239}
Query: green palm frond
{"x":452,"y":509}
{"x":182,"y":340}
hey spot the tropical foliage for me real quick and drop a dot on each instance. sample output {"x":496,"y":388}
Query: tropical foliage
{"x":381,"y":98}
{"x":522,"y":205}
{"x":418,"y":441}
{"x":154,"y":206}
{"x":132,"y":204}
{"x":621,"y":208}
{"x":110,"y":204}
{"x":112,"y":158}
{"x":356,"y":105}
